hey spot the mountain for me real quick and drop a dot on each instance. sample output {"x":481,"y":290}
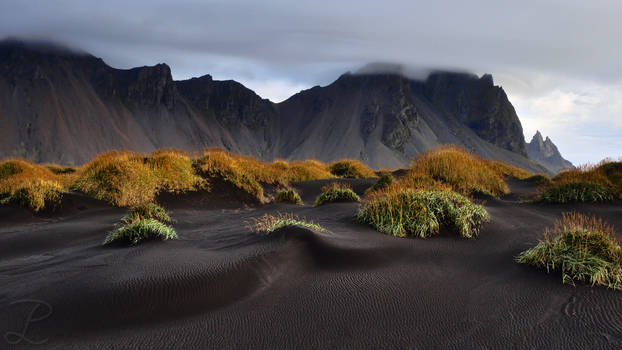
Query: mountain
{"x":65,"y":106}
{"x":546,"y":154}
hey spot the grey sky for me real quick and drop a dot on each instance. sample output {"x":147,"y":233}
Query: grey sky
{"x":559,"y":61}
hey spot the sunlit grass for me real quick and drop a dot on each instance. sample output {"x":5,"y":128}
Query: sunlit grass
{"x":336,"y":192}
{"x":31,"y":186}
{"x":421,"y":213}
{"x":270,"y":223}
{"x":351,"y":168}
{"x":289,"y":196}
{"x":465,"y":172}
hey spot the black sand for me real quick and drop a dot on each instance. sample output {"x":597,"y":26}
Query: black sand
{"x":221,"y":286}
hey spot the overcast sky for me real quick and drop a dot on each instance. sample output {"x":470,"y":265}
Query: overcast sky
{"x":560,"y":62}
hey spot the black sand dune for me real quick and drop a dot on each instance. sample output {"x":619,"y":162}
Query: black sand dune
{"x":221,"y":286}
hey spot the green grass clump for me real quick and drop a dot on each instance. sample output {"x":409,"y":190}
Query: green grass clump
{"x":576,"y":191}
{"x":270,"y":223}
{"x":582,"y":248}
{"x":290,"y":196}
{"x":150,"y":211}
{"x":384,"y":181}
{"x":336,"y":192}
{"x":421,"y":213}
{"x":134,"y":231}
{"x":351,"y":168}
{"x":145,"y":221}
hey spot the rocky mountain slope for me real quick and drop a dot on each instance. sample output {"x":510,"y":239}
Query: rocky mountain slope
{"x":58,"y":105}
{"x":546,"y":154}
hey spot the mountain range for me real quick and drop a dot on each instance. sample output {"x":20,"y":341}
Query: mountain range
{"x":65,"y":106}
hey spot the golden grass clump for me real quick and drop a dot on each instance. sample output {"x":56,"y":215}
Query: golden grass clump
{"x":582,"y":248}
{"x":120,"y":178}
{"x":464,"y":171}
{"x":221,"y":165}
{"x":31,"y":186}
{"x":351,"y":168}
{"x":588,"y":183}
{"x":507,"y":170}
{"x":306,"y":170}
{"x":267,"y":224}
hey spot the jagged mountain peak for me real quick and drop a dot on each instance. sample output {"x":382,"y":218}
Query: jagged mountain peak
{"x":546,"y":153}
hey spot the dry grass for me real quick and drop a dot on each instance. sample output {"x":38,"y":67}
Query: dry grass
{"x":601,"y":182}
{"x":31,"y":186}
{"x":583,"y":248}
{"x":270,"y":223}
{"x":127,"y":178}
{"x":464,"y":171}
{"x":507,"y":170}
{"x":351,"y":168}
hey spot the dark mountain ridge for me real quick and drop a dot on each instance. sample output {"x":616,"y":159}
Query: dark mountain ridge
{"x":67,"y":106}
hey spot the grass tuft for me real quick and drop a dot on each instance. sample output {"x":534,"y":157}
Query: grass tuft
{"x":290,"y":196}
{"x":465,"y":172}
{"x":31,"y":186}
{"x":383,"y":181}
{"x":507,"y":170}
{"x":582,"y":248}
{"x":150,"y":211}
{"x":588,"y":183}
{"x":134,"y":231}
{"x":421,"y":213}
{"x":270,"y":223}
{"x":337,"y":192}
{"x":351,"y":168}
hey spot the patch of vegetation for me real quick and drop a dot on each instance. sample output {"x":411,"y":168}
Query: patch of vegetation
{"x":384,"y":181}
{"x":336,"y":192}
{"x":307,"y":170}
{"x":270,"y":223}
{"x":150,"y":211}
{"x":290,"y":196}
{"x":129,"y":179}
{"x":508,"y":170}
{"x":421,"y":213}
{"x":589,"y":183}
{"x":582,"y":248}
{"x":59,"y":169}
{"x":223,"y":166}
{"x":134,"y":231}
{"x":119,"y":178}
{"x":576,"y":191}
{"x":31,"y":186}
{"x":351,"y":168}
{"x":539,"y":179}
{"x":465,"y":172}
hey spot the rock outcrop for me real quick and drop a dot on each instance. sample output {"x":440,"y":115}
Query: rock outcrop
{"x":546,"y":154}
